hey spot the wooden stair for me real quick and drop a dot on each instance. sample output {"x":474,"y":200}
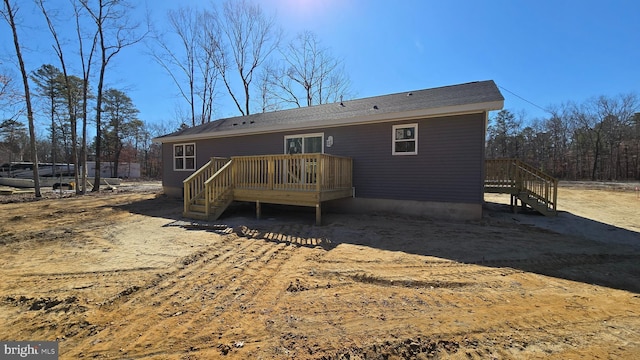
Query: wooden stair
{"x":198,"y":209}
{"x":536,"y":203}
{"x":208,"y":191}
{"x":533,"y":187}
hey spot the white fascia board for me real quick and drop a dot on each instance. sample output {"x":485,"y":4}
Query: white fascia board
{"x":359,"y":120}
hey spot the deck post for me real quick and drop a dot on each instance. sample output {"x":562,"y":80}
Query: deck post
{"x":318,"y":173}
{"x":271,"y":173}
{"x":186,"y":198}
{"x":258,"y":210}
{"x":318,"y":214}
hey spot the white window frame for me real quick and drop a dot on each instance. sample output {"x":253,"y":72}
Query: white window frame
{"x":394,"y":139}
{"x":184,"y":156}
{"x":303,"y":136}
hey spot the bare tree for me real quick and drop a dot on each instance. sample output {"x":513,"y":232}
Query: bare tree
{"x":9,"y":15}
{"x":115,"y":32}
{"x":86,"y":61}
{"x":247,"y":39}
{"x":207,"y":66}
{"x":270,"y":99}
{"x":558,"y":130}
{"x":600,"y":124}
{"x":310,"y":74}
{"x":192,"y":61}
{"x":6,"y":91}
{"x":71,"y":107}
{"x":617,"y":115}
{"x":10,"y":97}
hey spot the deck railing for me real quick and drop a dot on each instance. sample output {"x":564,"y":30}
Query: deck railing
{"x":299,"y":179}
{"x":299,"y":172}
{"x":518,"y":176}
{"x":218,"y":186}
{"x":194,"y":185}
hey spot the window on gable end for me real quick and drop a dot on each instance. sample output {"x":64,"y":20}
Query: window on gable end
{"x":184,"y":157}
{"x":404,"y":139}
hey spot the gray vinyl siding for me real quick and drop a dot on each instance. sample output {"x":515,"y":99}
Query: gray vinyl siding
{"x":262,"y":144}
{"x":448,"y":167}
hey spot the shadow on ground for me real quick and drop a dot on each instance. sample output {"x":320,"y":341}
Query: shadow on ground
{"x":568,"y":246}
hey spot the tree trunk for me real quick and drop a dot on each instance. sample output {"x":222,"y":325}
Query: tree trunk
{"x":27,"y":96}
{"x":103,"y":66}
{"x":596,"y":156}
{"x":116,"y":159}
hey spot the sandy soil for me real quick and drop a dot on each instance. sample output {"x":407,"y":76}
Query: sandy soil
{"x":121,"y":275}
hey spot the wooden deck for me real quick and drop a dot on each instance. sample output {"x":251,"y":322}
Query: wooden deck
{"x":300,"y":179}
{"x":533,"y":187}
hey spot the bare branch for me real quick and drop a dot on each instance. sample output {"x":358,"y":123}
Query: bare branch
{"x":191,"y":65}
{"x":310,"y":72}
{"x":249,"y":39}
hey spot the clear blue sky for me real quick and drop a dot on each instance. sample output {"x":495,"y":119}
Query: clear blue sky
{"x":547,"y":52}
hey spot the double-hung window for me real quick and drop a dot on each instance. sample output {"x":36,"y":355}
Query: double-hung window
{"x":405,"y":139}
{"x":304,"y":144}
{"x":184,"y":157}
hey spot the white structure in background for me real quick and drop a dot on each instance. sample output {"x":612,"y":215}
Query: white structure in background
{"x":24,"y":170}
{"x":125,"y":170}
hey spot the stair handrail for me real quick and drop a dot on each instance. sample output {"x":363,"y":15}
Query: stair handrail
{"x":217,"y":185}
{"x":194,"y":184}
{"x":522,"y":177}
{"x":546,"y":188}
{"x":526,"y":178}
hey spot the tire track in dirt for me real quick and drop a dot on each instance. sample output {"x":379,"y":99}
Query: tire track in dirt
{"x":453,"y":286}
{"x":298,"y":339}
{"x":445,"y":286}
{"x":90,"y":287}
{"x":532,"y":332}
{"x":193,"y":303}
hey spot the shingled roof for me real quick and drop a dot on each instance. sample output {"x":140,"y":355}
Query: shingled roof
{"x":448,"y":100}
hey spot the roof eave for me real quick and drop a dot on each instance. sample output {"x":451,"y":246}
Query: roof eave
{"x":366,"y":119}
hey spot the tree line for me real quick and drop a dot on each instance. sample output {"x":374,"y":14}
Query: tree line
{"x":124,"y":136}
{"x":235,"y":51}
{"x":597,"y":139}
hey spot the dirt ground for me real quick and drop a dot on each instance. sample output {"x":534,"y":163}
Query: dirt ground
{"x":120,"y":275}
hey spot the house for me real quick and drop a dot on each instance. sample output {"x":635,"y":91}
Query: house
{"x":417,"y":152}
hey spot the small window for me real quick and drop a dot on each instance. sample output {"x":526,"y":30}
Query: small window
{"x":304,"y":144}
{"x":405,"y":139}
{"x":184,"y":157}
